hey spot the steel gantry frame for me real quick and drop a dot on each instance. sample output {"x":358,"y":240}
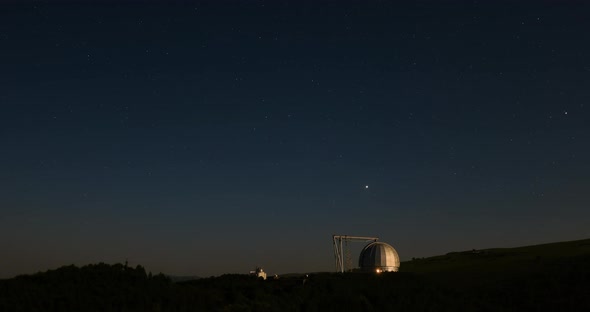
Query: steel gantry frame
{"x":340,"y":242}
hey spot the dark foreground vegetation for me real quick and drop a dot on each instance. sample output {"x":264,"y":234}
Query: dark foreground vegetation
{"x":553,"y":277}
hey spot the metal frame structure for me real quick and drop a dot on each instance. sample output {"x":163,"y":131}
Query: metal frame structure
{"x":340,"y":243}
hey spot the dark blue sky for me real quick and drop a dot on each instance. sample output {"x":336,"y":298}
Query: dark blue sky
{"x":206,"y":138}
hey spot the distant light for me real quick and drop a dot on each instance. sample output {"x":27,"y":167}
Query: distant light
{"x":366,"y":186}
{"x":378,"y":271}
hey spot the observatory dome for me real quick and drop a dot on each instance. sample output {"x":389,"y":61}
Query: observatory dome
{"x":379,"y":257}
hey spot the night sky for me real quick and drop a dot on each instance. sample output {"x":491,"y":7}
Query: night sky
{"x":209,"y":138}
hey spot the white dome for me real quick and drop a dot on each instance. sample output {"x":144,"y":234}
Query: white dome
{"x":379,"y":257}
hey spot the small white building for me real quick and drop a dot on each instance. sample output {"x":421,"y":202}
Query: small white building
{"x":259,"y":272}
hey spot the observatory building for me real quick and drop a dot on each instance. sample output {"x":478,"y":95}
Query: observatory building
{"x":259,"y":272}
{"x":379,"y":257}
{"x":376,"y":257}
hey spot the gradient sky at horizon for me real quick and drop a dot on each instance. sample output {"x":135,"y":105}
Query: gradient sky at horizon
{"x":205,"y":138}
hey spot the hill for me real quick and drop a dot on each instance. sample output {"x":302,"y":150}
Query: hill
{"x":530,"y":278}
{"x":502,"y":259}
{"x":535,"y":278}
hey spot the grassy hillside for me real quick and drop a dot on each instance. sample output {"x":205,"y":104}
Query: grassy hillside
{"x":502,"y":259}
{"x":540,"y":277}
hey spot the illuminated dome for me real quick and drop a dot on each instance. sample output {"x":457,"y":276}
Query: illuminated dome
{"x":379,"y":257}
